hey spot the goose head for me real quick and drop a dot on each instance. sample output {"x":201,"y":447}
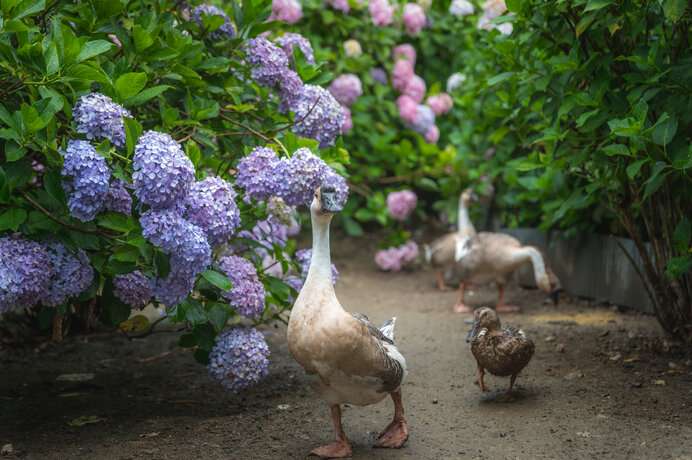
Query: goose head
{"x":468,"y":196}
{"x":484,"y":318}
{"x":325,"y":203}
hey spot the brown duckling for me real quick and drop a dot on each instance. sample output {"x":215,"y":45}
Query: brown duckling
{"x":501,"y":350}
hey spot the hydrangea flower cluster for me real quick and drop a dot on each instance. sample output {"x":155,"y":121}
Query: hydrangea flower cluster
{"x":304,"y":257}
{"x":402,"y":73}
{"x":100,"y":118}
{"x":461,"y":8}
{"x":118,"y":198}
{"x":396,"y":258}
{"x":269,"y":62}
{"x":455,"y":81}
{"x":85,"y":179}
{"x":440,"y":103}
{"x":134,"y":289}
{"x":415,"y":88}
{"x":255,"y":173}
{"x":379,"y":75}
{"x":346,"y":89}
{"x":432,"y":135}
{"x":348,"y":121}
{"x":288,"y":11}
{"x":289,"y":40}
{"x":321,"y":116}
{"x":340,"y":5}
{"x":24,"y":273}
{"x":408,"y":108}
{"x":162,"y":172}
{"x":239,"y":358}
{"x":331,"y":177}
{"x":268,"y":233}
{"x":401,"y":204}
{"x":69,"y":274}
{"x":225,"y":31}
{"x":406,"y":50}
{"x":381,"y":12}
{"x":247,"y":294}
{"x":352,"y":47}
{"x":491,"y":10}
{"x":211,"y":207}
{"x":279,"y":210}
{"x":414,"y":18}
{"x":425,"y":119}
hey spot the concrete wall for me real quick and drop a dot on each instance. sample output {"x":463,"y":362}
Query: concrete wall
{"x":590,"y":266}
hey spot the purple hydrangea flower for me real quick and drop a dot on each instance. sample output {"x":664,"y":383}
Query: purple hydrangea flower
{"x":346,"y":89}
{"x":247,"y":294}
{"x":379,"y":75}
{"x":268,"y":233}
{"x":396,"y":258}
{"x":24,"y":272}
{"x":165,"y":229}
{"x":134,"y":289}
{"x":290,"y":90}
{"x":333,"y":178}
{"x":211,"y":207}
{"x":321,"y":117}
{"x":298,"y":177}
{"x":163,"y":173}
{"x":85,"y":179}
{"x":280,"y":211}
{"x":303,"y":257}
{"x":100,"y":118}
{"x":254,"y":173}
{"x":118,"y":198}
{"x":70,"y":274}
{"x":401,"y":204}
{"x":341,"y":5}
{"x":289,"y":40}
{"x":425,"y":119}
{"x":226,"y":30}
{"x":239,"y":358}
{"x":269,"y":62}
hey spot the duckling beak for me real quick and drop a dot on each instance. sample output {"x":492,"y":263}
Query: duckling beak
{"x":554,"y":293}
{"x":472,"y":334}
{"x":329,"y":201}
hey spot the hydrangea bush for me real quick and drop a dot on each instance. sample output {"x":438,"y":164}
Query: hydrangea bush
{"x":156,"y":154}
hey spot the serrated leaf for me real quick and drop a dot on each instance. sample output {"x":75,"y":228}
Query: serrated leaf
{"x":32,"y":121}
{"x":141,"y":38}
{"x":129,"y":84}
{"x":144,"y":96}
{"x":14,"y":151}
{"x":93,"y":48}
{"x":674,"y":9}
{"x":12,"y":219}
{"x":217,"y":279}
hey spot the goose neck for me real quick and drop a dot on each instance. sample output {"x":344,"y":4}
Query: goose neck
{"x":320,"y":271}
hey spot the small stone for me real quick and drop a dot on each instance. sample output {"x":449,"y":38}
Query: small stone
{"x":560,"y":348}
{"x":661,"y":383}
{"x":6,"y":449}
{"x":616,"y":357}
{"x":604,"y":333}
{"x":283,"y":406}
{"x":550,"y":338}
{"x":434,"y":401}
{"x":601,"y":416}
{"x":637,"y":384}
{"x":502,"y":434}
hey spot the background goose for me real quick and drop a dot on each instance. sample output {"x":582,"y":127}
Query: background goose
{"x":502,"y":351}
{"x":440,"y":253}
{"x":347,"y":359}
{"x":488,"y":257}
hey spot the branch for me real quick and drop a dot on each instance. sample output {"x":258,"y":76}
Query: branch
{"x":194,"y":130}
{"x":640,"y":275}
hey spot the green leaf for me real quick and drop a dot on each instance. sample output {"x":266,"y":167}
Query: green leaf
{"x":28,"y":8}
{"x":118,"y":267}
{"x":634,"y":168}
{"x":204,"y":333}
{"x":145,"y":95}
{"x":85,"y":240}
{"x":500,"y":78}
{"x":674,"y":9}
{"x":126,"y":253}
{"x":163,"y":264}
{"x":593,"y":5}
{"x":678,"y":265}
{"x":682,"y":235}
{"x":584,"y":23}
{"x":39,"y":221}
{"x":351,"y":227}
{"x":93,"y":48}
{"x":117,"y":222}
{"x":12,"y":219}
{"x":88,"y":73}
{"x":141,"y":38}
{"x":656,"y":180}
{"x":513,"y":5}
{"x":616,"y":149}
{"x":195,"y":313}
{"x":129,"y":84}
{"x":217,"y":279}
{"x":52,"y":182}
{"x":114,"y":311}
{"x":32,"y":121}
{"x":217,"y":316}
{"x":665,"y":131}
{"x":133,"y":129}
{"x":14,"y":151}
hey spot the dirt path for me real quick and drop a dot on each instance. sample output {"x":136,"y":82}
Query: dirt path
{"x":618,"y":388}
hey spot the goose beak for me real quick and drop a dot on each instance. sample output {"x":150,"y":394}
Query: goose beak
{"x":329,"y":201}
{"x":472,"y":334}
{"x":554,"y":293}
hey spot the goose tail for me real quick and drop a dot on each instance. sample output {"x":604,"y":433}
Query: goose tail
{"x":387,"y":328}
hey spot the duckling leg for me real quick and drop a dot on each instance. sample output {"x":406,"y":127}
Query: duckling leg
{"x":396,"y":433}
{"x":479,"y":380}
{"x":507,"y":397}
{"x":460,"y":306}
{"x":501,"y":305}
{"x":341,"y":447}
{"x":440,"y":282}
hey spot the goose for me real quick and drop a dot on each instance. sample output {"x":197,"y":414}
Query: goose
{"x":502,"y":351}
{"x":490,"y":256}
{"x":346,"y":358}
{"x":440,"y":253}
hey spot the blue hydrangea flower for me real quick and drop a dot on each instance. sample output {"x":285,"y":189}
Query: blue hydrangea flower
{"x":304,"y":257}
{"x":289,"y":40}
{"x":134,"y":289}
{"x":268,"y":233}
{"x":280,"y":211}
{"x":269,"y":62}
{"x":165,"y":229}
{"x":163,"y":173}
{"x":100,"y":118}
{"x":247,"y":294}
{"x":290,"y":90}
{"x":320,"y":115}
{"x":254,"y":173}
{"x":225,"y":31}
{"x":425,"y":119}
{"x":379,"y":75}
{"x":211,"y":207}
{"x":298,"y":177}
{"x":118,"y":198}
{"x":70,"y":274}
{"x":174,"y":288}
{"x":24,"y":272}
{"x":239,"y":358}
{"x":85,"y":179}
{"x":331,"y":177}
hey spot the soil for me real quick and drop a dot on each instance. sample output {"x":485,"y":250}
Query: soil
{"x":602,"y":383}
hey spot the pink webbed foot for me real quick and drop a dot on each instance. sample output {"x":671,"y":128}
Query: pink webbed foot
{"x":338,"y":449}
{"x":462,"y":308}
{"x":506,"y":308}
{"x":394,"y":436}
{"x":507,"y":397}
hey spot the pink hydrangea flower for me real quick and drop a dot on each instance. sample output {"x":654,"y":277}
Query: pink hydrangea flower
{"x":395,"y":258}
{"x":401,"y":204}
{"x":415,"y":88}
{"x":406,"y":50}
{"x":408,"y":108}
{"x":348,"y":122}
{"x":341,"y":5}
{"x":402,"y":73}
{"x":381,"y":12}
{"x":433,"y":134}
{"x":115,"y":40}
{"x":289,"y":11}
{"x":440,"y":103}
{"x":346,"y":88}
{"x":414,"y":18}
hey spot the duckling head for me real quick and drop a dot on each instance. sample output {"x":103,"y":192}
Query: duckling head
{"x":483,"y":318}
{"x":325,"y":202}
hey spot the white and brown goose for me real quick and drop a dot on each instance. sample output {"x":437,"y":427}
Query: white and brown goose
{"x":440,"y":253}
{"x":347,"y":359}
